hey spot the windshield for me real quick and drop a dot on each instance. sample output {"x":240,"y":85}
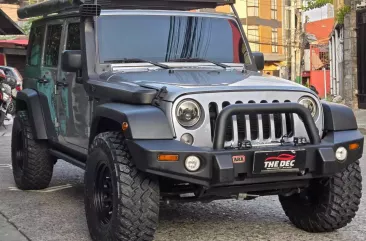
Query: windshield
{"x":163,"y":38}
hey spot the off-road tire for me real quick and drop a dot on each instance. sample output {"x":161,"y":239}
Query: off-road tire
{"x":327,"y":204}
{"x":32,"y":165}
{"x":135,"y":195}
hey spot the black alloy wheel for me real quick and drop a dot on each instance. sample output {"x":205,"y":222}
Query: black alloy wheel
{"x":103,"y":193}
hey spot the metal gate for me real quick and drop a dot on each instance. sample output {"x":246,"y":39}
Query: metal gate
{"x":361,"y":58}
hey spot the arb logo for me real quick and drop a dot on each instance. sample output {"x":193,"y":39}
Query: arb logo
{"x":238,"y":159}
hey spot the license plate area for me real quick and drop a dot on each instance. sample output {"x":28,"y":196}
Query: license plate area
{"x":266,"y":162}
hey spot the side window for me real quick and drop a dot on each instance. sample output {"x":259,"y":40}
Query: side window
{"x":36,"y":40}
{"x":73,"y":37}
{"x":52,"y":45}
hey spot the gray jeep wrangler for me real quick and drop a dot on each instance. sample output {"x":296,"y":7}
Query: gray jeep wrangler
{"x":164,"y":104}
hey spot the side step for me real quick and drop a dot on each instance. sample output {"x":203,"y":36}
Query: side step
{"x":67,"y":158}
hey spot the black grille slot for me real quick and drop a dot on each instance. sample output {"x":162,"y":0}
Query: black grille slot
{"x":229,"y":128}
{"x":242,"y":128}
{"x":253,"y":119}
{"x":266,"y":124}
{"x":213,"y":111}
{"x":277,"y":118}
{"x":290,"y":126}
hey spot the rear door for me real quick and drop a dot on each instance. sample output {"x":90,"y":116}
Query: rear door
{"x":50,"y":66}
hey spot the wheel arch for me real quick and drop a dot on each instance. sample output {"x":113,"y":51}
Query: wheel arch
{"x":29,"y":100}
{"x":338,"y":117}
{"x":144,"y":121}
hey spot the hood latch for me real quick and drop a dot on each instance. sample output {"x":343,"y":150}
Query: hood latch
{"x":162,"y":92}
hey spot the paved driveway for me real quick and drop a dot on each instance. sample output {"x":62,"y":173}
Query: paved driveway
{"x":57,"y":213}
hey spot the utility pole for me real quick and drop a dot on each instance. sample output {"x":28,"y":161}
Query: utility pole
{"x":300,"y":39}
{"x":293,"y":40}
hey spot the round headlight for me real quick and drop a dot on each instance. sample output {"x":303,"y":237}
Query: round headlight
{"x":309,"y":104}
{"x":188,"y":113}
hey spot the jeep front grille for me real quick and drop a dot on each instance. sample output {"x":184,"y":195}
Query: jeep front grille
{"x":259,"y":129}
{"x":267,"y":129}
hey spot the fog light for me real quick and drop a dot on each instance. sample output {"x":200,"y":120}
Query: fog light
{"x":192,"y":163}
{"x":341,"y":153}
{"x":187,"y":138}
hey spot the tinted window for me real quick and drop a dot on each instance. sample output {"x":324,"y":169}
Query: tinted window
{"x":8,"y":72}
{"x":73,"y":37}
{"x":165,"y":38}
{"x":36,"y":40}
{"x":52,"y":45}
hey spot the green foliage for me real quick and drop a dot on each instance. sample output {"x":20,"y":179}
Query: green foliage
{"x":27,"y":25}
{"x":343,"y":11}
{"x":312,"y":4}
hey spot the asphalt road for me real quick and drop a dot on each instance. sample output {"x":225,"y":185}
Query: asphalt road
{"x":57,"y":213}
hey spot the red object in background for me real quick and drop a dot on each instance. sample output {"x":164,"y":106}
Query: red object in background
{"x":18,"y":87}
{"x":236,"y":42}
{"x":2,"y":59}
{"x":317,"y":80}
{"x":13,"y":42}
{"x":320,"y":29}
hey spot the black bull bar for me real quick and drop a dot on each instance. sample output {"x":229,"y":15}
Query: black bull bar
{"x":263,"y":108}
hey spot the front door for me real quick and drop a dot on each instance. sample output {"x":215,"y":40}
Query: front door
{"x":73,"y":104}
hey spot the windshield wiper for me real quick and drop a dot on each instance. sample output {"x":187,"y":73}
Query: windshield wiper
{"x":137,"y":60}
{"x":200,"y":60}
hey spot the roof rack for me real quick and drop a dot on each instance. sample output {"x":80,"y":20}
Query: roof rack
{"x":58,"y":6}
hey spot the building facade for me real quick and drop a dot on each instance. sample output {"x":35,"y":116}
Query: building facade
{"x":347,"y":46}
{"x":268,"y":30}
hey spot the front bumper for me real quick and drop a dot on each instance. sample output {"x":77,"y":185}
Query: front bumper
{"x":217,"y":166}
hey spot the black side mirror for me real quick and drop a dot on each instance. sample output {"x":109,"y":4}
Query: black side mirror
{"x":71,"y":60}
{"x":259,"y":60}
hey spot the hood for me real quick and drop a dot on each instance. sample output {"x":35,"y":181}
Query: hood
{"x":188,"y":81}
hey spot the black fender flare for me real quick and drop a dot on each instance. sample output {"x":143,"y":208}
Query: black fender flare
{"x":145,"y":122}
{"x":33,"y":106}
{"x":338,"y":117}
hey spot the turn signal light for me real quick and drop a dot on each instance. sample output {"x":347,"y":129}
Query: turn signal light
{"x":124,"y":126}
{"x":168,"y":158}
{"x":353,"y":146}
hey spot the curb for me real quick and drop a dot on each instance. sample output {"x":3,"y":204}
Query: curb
{"x":362,"y":130}
{"x":9,"y":232}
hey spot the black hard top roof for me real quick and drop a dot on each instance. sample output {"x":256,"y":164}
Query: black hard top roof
{"x":58,"y":6}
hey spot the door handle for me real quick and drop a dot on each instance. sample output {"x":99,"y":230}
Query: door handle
{"x":61,"y":83}
{"x":43,"y":80}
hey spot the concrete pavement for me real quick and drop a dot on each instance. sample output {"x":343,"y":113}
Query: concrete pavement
{"x":9,"y":232}
{"x":57,"y":213}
